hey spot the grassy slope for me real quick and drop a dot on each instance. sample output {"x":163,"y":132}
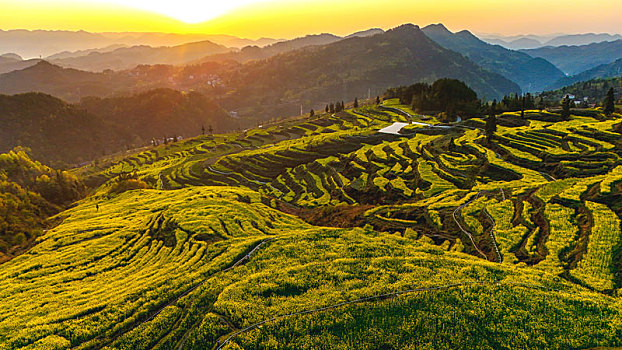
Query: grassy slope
{"x":122,"y":273}
{"x":164,"y":254}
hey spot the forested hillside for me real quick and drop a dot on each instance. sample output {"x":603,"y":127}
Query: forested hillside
{"x":594,"y":89}
{"x":60,"y":133}
{"x":532,"y":74}
{"x":353,"y":67}
{"x":30,"y":193}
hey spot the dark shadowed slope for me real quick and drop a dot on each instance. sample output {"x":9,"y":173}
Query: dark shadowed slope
{"x":59,"y":133}
{"x":532,"y":74}
{"x":576,"y":59}
{"x":611,"y":70}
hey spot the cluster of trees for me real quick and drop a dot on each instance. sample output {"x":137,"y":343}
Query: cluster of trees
{"x":335,"y":107}
{"x":450,"y":96}
{"x":29,"y":193}
{"x":595,"y":90}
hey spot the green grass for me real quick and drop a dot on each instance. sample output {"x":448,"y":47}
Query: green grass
{"x":162,"y":254}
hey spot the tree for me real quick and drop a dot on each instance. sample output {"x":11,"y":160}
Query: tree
{"x":331,"y":108}
{"x":202,"y":129}
{"x":356,"y":102}
{"x":326,"y":109}
{"x":522,"y":110}
{"x":609,"y":102}
{"x":491,"y":122}
{"x":377,"y":100}
{"x":312,"y":113}
{"x":565,"y":108}
{"x":165,"y":140}
{"x":210,"y":129}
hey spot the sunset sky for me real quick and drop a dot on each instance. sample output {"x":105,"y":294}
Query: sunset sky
{"x":289,"y":18}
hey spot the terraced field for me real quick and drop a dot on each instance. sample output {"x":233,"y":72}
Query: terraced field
{"x":195,"y":268}
{"x":440,"y":239}
{"x":534,"y":182}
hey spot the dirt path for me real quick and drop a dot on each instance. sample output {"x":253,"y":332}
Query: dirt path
{"x":494,"y":224}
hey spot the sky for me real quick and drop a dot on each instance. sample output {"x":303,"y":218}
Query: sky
{"x":290,"y":18}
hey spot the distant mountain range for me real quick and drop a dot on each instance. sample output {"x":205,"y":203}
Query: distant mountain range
{"x":254,"y":52}
{"x":532,"y":74}
{"x":312,"y":71}
{"x":44,"y":43}
{"x":576,"y":59}
{"x":354,"y":67}
{"x":129,"y":57}
{"x":519,"y":42}
{"x":611,"y":70}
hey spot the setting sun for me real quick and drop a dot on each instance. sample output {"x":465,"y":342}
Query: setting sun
{"x":188,"y":11}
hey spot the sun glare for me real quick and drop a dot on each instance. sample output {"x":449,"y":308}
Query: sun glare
{"x":188,"y":11}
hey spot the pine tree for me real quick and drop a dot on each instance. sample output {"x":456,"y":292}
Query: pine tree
{"x":522,"y":110}
{"x":326,"y":109}
{"x":565,"y":108}
{"x":311,"y":113}
{"x":356,"y":102}
{"x":610,"y":102}
{"x":491,"y":122}
{"x":331,"y":108}
{"x":377,"y":100}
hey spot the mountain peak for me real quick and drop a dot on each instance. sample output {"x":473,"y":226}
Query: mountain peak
{"x":406,"y":27}
{"x":438,"y":28}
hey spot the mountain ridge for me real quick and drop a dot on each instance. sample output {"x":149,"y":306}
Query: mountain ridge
{"x":532,"y":74}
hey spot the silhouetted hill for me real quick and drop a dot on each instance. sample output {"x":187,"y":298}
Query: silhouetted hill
{"x":249,"y":53}
{"x":532,"y":74}
{"x":582,"y":39}
{"x":576,"y":59}
{"x":79,"y":53}
{"x":354,"y":67}
{"x":364,"y":33}
{"x":129,"y":57}
{"x":60,"y":133}
{"x":66,"y":83}
{"x":10,"y":62}
{"x":44,"y":43}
